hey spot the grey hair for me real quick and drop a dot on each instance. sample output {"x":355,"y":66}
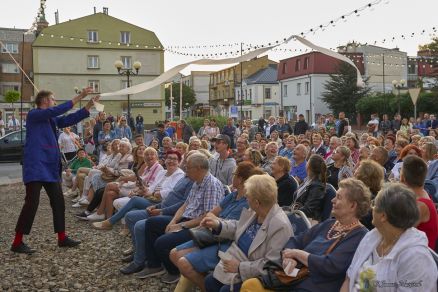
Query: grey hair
{"x":399,"y":204}
{"x":199,"y":160}
{"x":127,"y":143}
{"x":337,"y":139}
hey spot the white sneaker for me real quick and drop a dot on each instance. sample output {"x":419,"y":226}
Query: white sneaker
{"x":96,"y":217}
{"x":83,"y":202}
{"x":76,"y":205}
{"x":68,"y":193}
{"x":75,"y":200}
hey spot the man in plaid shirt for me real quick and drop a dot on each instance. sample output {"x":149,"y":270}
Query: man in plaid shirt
{"x":163,"y":233}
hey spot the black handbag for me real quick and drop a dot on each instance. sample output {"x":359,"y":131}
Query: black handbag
{"x":203,"y":237}
{"x":275,"y":279}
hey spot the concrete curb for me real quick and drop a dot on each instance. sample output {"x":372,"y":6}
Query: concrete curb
{"x":9,"y":181}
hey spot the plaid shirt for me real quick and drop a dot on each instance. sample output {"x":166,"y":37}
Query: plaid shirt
{"x":203,"y":197}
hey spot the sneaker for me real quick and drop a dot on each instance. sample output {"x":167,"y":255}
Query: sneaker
{"x":150,"y":272}
{"x":83,"y":202}
{"x":76,"y":205}
{"x":131,"y":269}
{"x":128,"y":258}
{"x":96,"y":217}
{"x":22,"y":248}
{"x":75,"y":200}
{"x":170,"y":278}
{"x":68,"y":242}
{"x":72,"y":194}
{"x":128,"y":251}
{"x":103,"y":225}
{"x":83,"y":215}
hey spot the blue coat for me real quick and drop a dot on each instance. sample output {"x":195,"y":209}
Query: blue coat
{"x":42,"y":157}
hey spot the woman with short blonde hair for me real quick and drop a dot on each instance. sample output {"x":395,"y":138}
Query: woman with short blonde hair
{"x":258,"y":236}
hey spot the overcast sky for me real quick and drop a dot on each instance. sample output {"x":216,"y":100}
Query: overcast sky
{"x":201,"y":22}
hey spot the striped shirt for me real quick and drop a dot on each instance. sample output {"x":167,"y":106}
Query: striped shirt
{"x":150,"y":173}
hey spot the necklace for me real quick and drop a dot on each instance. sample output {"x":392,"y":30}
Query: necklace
{"x":338,"y":229}
{"x":384,"y":251}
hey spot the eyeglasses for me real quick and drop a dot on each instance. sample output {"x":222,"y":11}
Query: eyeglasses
{"x":172,"y":158}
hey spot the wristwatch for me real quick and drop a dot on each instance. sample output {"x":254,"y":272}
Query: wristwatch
{"x":183,"y":225}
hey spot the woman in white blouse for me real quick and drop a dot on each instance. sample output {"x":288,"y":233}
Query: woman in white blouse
{"x":157,"y":190}
{"x":394,"y":256}
{"x":68,"y":143}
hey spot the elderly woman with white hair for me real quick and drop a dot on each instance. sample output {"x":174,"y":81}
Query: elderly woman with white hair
{"x":258,"y":236}
{"x":111,"y":173}
{"x":271,"y":152}
{"x":394,"y":254}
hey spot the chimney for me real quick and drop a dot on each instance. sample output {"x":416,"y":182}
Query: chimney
{"x":57,"y":16}
{"x":105,"y":10}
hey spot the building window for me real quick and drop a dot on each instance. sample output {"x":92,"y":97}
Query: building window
{"x":306,"y":63}
{"x":268,"y":93}
{"x":10,"y":47}
{"x":10,"y":68}
{"x":127,"y":62}
{"x":7,"y":87}
{"x":306,"y":88}
{"x":95,"y":84}
{"x":411,"y":69}
{"x":297,"y":65}
{"x":250,"y":94}
{"x":93,"y":62}
{"x":246,"y":94}
{"x":92,"y":36}
{"x":284,"y":90}
{"x":298,"y":88}
{"x":284,"y":68}
{"x":125,"y":37}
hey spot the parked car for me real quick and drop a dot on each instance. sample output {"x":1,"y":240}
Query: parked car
{"x":11,"y":148}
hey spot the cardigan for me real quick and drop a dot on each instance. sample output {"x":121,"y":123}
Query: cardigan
{"x":327,"y":271}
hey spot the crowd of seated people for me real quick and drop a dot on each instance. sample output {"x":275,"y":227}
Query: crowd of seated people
{"x":239,"y":186}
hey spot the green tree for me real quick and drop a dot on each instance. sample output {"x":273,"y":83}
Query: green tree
{"x":188,"y":97}
{"x":12,"y":96}
{"x":342,"y":93}
{"x":373,"y":104}
{"x":433,"y":45}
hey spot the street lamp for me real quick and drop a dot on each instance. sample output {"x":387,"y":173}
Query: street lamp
{"x":398,"y":85}
{"x":128,"y":72}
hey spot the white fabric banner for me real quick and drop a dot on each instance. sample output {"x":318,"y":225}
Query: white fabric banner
{"x":330,"y":53}
{"x":168,"y":75}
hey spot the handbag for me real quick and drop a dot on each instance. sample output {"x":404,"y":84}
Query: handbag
{"x":109,"y":177}
{"x":203,"y":237}
{"x":276,"y":279}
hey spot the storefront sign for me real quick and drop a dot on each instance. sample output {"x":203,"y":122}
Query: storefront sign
{"x":140,"y":104}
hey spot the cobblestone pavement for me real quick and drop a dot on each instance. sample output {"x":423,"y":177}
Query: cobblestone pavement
{"x":93,"y":266}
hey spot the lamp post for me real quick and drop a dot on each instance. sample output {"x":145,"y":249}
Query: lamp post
{"x":398,"y":85}
{"x":128,"y":72}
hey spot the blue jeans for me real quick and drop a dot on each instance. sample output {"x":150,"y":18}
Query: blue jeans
{"x":216,"y":286}
{"x":136,"y":203}
{"x":159,"y":244}
{"x":132,"y":218}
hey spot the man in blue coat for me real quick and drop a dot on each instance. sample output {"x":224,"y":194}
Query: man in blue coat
{"x":42,"y":163}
